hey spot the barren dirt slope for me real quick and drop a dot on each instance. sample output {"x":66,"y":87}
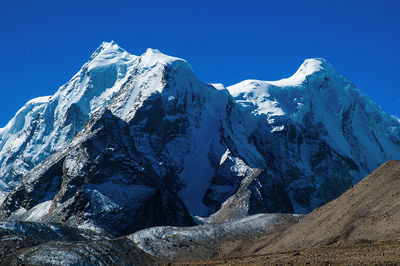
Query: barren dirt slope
{"x":377,"y":253}
{"x":368,"y":211}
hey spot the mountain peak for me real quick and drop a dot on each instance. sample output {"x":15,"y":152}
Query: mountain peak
{"x":108,"y":50}
{"x":107,"y":44}
{"x":314,"y":65}
{"x":154,"y":56}
{"x":109,"y":53}
{"x":310,"y":67}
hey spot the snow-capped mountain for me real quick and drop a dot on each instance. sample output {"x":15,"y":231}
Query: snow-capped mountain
{"x":128,"y":132}
{"x":44,"y":125}
{"x":316,"y":132}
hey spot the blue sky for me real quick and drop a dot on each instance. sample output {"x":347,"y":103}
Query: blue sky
{"x":44,"y":43}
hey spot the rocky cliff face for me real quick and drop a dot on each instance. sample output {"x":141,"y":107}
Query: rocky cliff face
{"x":140,"y":141}
{"x":98,"y":182}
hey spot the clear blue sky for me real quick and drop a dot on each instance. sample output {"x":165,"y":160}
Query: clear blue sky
{"x":44,"y":43}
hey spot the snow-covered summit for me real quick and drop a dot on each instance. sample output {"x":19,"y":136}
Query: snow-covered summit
{"x":153,"y":56}
{"x":311,"y":68}
{"x":314,"y":68}
{"x":314,"y":65}
{"x":111,"y":52}
{"x":108,"y":49}
{"x":292,"y":96}
{"x":46,"y":124}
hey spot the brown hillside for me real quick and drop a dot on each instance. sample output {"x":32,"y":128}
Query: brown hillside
{"x":370,"y":211}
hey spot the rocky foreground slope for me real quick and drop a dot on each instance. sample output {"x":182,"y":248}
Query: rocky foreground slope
{"x":129,"y":132}
{"x":33,"y":243}
{"x":370,"y":211}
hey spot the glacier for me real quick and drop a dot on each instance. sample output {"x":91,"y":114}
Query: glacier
{"x":128,"y":130}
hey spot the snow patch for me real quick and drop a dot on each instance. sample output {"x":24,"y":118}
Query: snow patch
{"x":38,"y":211}
{"x":224,"y":156}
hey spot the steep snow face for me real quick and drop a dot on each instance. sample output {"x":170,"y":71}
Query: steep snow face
{"x":14,"y":134}
{"x":174,"y":118}
{"x":311,"y":123}
{"x":335,"y":103}
{"x":146,"y":78}
{"x":288,"y":97}
{"x":45,"y":125}
{"x":177,"y":128}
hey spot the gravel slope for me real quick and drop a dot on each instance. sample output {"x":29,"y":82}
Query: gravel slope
{"x":369,"y":211}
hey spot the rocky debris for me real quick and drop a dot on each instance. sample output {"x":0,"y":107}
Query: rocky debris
{"x":208,"y":240}
{"x":106,"y":252}
{"x":374,"y":253}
